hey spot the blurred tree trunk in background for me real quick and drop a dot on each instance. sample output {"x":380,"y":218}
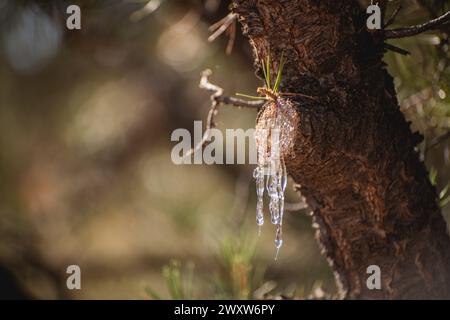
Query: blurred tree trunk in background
{"x":354,"y":158}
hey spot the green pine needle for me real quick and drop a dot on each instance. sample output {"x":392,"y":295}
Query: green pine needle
{"x":267,"y":77}
{"x":280,"y":71}
{"x":263,"y":64}
{"x":250,"y":97}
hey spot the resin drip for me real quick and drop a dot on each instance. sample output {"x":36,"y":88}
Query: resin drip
{"x":273,"y":139}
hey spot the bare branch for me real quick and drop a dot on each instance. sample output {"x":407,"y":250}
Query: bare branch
{"x":149,"y":8}
{"x":205,"y":84}
{"x":396,"y":49}
{"x":240,"y":102}
{"x":217,"y":98}
{"x":414,"y":30}
{"x":231,"y":33}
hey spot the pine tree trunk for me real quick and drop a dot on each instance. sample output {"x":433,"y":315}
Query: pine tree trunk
{"x":354,"y":158}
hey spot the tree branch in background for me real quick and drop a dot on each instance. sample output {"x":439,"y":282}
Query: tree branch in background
{"x":217,"y":98}
{"x":414,"y":30}
{"x":396,"y":49}
{"x":383,"y":5}
{"x":393,"y":16}
{"x":438,"y":140}
{"x":228,"y":25}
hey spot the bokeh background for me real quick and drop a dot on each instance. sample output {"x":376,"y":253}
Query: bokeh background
{"x":86,"y":176}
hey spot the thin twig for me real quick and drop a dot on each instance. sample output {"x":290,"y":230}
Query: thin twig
{"x":414,"y":30}
{"x":206,"y":85}
{"x":295,"y":206}
{"x":393,"y":16}
{"x":437,"y":141}
{"x":396,"y":49}
{"x":240,"y":102}
{"x":227,"y":24}
{"x":231,"y":33}
{"x":383,"y":6}
{"x":149,"y":8}
{"x":217,"y":98}
{"x":221,"y":25}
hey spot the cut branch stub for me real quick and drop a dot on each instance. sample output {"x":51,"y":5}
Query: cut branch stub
{"x":353,"y":150}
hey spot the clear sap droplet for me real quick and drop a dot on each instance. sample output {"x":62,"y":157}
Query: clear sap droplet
{"x":278,"y":243}
{"x":278,"y":239}
{"x":259,"y":213}
{"x":274,"y":211}
{"x":272,"y":190}
{"x":260,"y":221}
{"x":283,"y":178}
{"x":260,"y":186}
{"x":256,"y":173}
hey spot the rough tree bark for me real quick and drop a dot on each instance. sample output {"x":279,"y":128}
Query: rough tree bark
{"x":354,"y":158}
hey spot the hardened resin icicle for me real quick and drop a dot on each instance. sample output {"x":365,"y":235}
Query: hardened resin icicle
{"x":282,"y":188}
{"x":259,"y":176}
{"x":275,"y":137}
{"x":274,"y":140}
{"x":273,"y":193}
{"x":271,"y":137}
{"x":274,"y":173}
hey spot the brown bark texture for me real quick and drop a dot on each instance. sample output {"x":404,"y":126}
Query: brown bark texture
{"x":354,"y":158}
